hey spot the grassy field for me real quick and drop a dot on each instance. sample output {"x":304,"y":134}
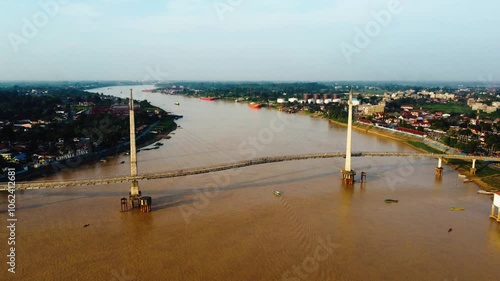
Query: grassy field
{"x":486,"y":174}
{"x":424,"y":146}
{"x":451,"y":107}
{"x":166,"y":124}
{"x":493,"y":181}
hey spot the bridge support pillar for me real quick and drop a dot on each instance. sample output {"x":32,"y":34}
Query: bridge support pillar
{"x":124,"y":205}
{"x":347,"y":173}
{"x":146,"y":203}
{"x":439,"y":172}
{"x":439,"y":168}
{"x":495,"y":204}
{"x":363,"y":177}
{"x":134,"y":189}
{"x":348,"y":176}
{"x":473,"y":169}
{"x":135,"y":202}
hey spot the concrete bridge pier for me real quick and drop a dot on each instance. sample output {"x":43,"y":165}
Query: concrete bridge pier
{"x":439,"y":168}
{"x":495,"y":205}
{"x":348,"y":176}
{"x":473,"y":169}
{"x":363,"y":177}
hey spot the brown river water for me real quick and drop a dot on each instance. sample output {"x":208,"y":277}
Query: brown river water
{"x":230,"y":226}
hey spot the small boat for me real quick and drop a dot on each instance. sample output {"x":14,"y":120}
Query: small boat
{"x":209,"y":98}
{"x":485,"y":192}
{"x":391,"y":201}
{"x":467,"y":180}
{"x":177,"y":103}
{"x":254,"y":105}
{"x":277,"y":193}
{"x":457,"y":208}
{"x":123,"y":162}
{"x":461,"y":176}
{"x":103,"y":160}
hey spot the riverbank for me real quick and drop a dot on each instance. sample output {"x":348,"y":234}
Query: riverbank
{"x":154,"y":133}
{"x":487,"y":181}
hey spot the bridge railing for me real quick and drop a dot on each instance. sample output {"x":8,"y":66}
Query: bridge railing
{"x":241,"y":164}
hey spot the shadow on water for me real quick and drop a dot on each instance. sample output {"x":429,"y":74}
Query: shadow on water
{"x":172,"y":201}
{"x":494,"y":233}
{"x":137,"y":224}
{"x":438,"y":183}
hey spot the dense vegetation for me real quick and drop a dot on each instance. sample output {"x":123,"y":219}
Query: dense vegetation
{"x":61,"y":120}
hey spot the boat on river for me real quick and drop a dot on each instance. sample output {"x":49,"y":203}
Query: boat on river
{"x":484,"y":192}
{"x":254,"y":105}
{"x":209,"y":98}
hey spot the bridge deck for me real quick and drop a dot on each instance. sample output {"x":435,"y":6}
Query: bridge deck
{"x":216,"y":168}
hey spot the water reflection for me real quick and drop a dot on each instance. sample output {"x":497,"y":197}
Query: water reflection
{"x":494,"y":234}
{"x":438,"y":182}
{"x":137,"y":225}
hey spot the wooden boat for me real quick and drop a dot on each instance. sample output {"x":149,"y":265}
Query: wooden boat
{"x":457,"y":208}
{"x":485,"y":192}
{"x":209,"y":98}
{"x":254,"y":105}
{"x":391,"y":201}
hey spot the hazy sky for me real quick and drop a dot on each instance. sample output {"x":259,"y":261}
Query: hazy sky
{"x":250,"y":40}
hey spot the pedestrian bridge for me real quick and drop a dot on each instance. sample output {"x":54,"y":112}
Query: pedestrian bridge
{"x":222,"y":167}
